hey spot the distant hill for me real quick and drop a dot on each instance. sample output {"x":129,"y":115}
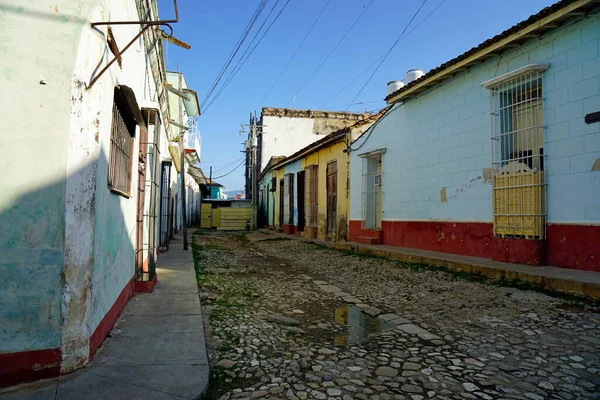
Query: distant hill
{"x":233,"y":193}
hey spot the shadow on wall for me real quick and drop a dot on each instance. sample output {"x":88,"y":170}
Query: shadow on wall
{"x":49,"y":273}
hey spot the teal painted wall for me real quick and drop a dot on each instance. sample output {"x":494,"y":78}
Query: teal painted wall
{"x":37,"y":42}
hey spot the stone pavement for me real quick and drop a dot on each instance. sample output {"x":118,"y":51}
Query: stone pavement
{"x":582,"y":283}
{"x":155,"y":351}
{"x":297,"y":321}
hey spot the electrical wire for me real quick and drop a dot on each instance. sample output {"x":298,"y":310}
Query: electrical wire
{"x":236,"y":48}
{"x":331,"y":52}
{"x":235,"y":71}
{"x":224,"y":175}
{"x":296,"y":52}
{"x":239,"y":159}
{"x":383,"y":55}
{"x":353,"y":104}
{"x":389,"y":51}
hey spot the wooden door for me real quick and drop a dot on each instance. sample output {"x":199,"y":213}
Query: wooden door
{"x":301,"y":195}
{"x":139,"y":248}
{"x":281,"y":203}
{"x":331,"y":198}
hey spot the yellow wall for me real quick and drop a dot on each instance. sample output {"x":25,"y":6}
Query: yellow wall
{"x":321,"y":158}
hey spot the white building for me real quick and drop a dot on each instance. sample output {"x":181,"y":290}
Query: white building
{"x":83,"y":148}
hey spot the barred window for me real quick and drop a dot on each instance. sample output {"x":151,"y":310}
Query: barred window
{"x":519,"y":207}
{"x":121,"y":149}
{"x":371,"y":192}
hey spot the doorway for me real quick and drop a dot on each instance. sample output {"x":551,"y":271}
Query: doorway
{"x":301,"y":195}
{"x":331,"y":199}
{"x":281,"y":203}
{"x":139,"y":247}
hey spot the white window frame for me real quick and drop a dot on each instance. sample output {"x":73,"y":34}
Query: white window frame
{"x":518,"y":181}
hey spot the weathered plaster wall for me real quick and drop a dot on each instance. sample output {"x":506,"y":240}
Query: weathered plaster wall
{"x":438,"y":145}
{"x":321,"y":158}
{"x":38,"y":42}
{"x":115,"y":234}
{"x":286,"y":131}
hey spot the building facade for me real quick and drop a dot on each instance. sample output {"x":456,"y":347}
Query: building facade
{"x":307,"y":193}
{"x":81,"y":189}
{"x":493,"y":154}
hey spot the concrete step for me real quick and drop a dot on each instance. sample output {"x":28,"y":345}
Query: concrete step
{"x":367,"y":240}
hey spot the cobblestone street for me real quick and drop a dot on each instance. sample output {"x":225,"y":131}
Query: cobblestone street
{"x":289,"y":319}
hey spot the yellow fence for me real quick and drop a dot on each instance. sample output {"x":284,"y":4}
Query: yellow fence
{"x":234,"y":219}
{"x":205,"y":216}
{"x":224,"y":219}
{"x":519,"y":204}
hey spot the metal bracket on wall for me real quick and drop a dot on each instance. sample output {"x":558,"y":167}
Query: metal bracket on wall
{"x":146,"y":24}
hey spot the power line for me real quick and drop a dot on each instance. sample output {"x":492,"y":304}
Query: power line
{"x":383,"y":55}
{"x":235,"y":71}
{"x":352,"y":104}
{"x":239,"y":158}
{"x":296,"y":52}
{"x":236,"y":48}
{"x":222,"y":176}
{"x":389,"y":51}
{"x":332,"y":51}
{"x":351,"y":82}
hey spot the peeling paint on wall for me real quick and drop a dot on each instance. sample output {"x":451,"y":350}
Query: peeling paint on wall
{"x":443,"y":197}
{"x":487,"y":175}
{"x":596,"y":166}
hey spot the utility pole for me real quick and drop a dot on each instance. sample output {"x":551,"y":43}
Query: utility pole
{"x":254,"y":145}
{"x":253,"y":167}
{"x":181,"y":148}
{"x":210,"y":184}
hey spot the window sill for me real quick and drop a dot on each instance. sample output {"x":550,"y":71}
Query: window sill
{"x":119,"y":192}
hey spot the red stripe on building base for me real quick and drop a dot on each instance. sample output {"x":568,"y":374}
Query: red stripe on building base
{"x":27,"y":366}
{"x":288,"y":229}
{"x":465,"y":238}
{"x":110,"y":318}
{"x":519,"y":251}
{"x":145,"y":286}
{"x":566,"y":245}
{"x":574,"y":246}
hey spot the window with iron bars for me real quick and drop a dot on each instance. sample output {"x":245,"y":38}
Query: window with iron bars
{"x":371,"y":192}
{"x":121,"y":149}
{"x":312,"y":197}
{"x":518,"y":184}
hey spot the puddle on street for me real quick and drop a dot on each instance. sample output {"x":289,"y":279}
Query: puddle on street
{"x":358,"y":325}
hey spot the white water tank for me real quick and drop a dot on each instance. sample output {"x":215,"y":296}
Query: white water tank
{"x":412,"y":75}
{"x":392,"y":86}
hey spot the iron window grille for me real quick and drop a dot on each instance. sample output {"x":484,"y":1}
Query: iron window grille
{"x":122,"y":137}
{"x":518,"y":182}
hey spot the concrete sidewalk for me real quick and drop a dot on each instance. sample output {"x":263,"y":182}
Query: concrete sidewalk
{"x":581,"y":283}
{"x":155,"y":351}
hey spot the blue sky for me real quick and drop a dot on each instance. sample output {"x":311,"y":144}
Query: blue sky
{"x":213,"y":27}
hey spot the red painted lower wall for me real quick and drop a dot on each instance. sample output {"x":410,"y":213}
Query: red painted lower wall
{"x":288,"y":229}
{"x":518,"y":251}
{"x":110,"y":318}
{"x":466,"y":238}
{"x":574,"y":246}
{"x":27,"y":366}
{"x":145,"y":286}
{"x":566,"y":245}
